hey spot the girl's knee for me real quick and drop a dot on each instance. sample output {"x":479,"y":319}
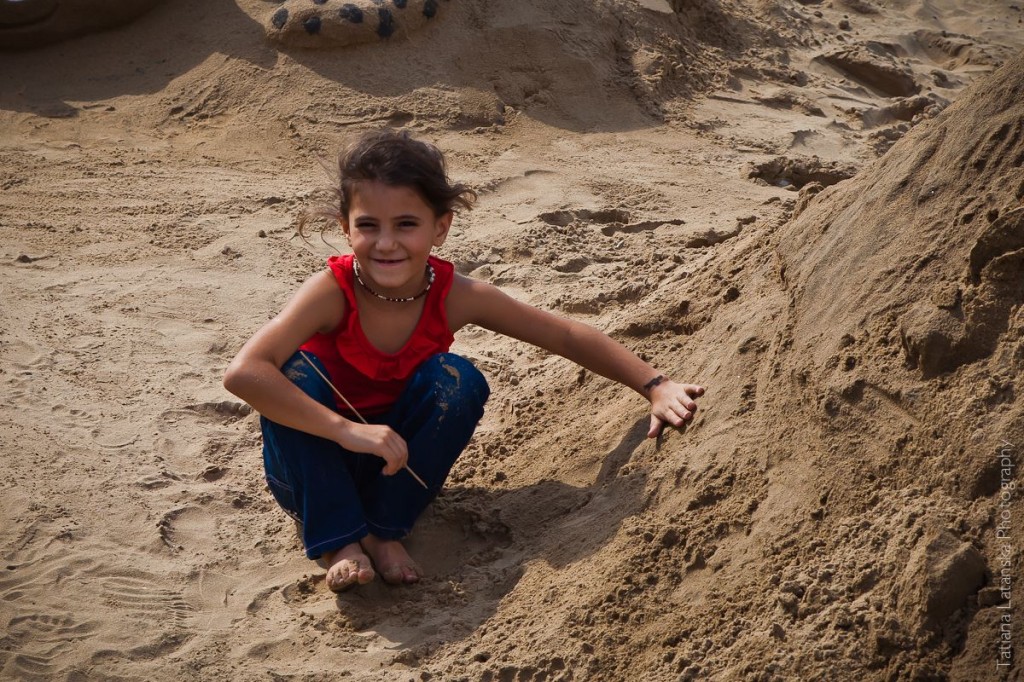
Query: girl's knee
{"x":455,"y":374}
{"x":467,"y":377}
{"x":298,"y":370}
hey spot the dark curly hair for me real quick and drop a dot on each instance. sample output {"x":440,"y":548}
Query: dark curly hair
{"x":394,"y":158}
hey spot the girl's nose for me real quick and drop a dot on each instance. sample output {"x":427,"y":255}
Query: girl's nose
{"x":386,"y":241}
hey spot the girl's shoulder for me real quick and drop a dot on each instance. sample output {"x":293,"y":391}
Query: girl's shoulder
{"x":463,"y":286}
{"x":322,"y":300}
{"x":466,"y":299}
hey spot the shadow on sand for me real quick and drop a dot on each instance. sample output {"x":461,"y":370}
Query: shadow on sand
{"x":474,"y":544}
{"x":559,"y":63}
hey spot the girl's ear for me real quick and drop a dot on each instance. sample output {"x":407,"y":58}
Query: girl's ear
{"x":441,"y":226}
{"x":343,"y":222}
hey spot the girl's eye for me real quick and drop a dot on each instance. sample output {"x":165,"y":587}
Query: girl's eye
{"x":365,"y":226}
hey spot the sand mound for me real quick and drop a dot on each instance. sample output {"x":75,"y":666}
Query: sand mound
{"x":796,"y":204}
{"x":840,"y":521}
{"x":912,"y":270}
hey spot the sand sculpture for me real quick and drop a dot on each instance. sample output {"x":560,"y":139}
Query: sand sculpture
{"x":34,"y":23}
{"x":27,"y":24}
{"x":334,"y":23}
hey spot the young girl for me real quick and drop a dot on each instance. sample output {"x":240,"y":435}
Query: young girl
{"x":376,"y":326}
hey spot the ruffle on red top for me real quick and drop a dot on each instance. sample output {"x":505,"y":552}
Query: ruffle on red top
{"x":371,"y":379}
{"x":430,"y":337}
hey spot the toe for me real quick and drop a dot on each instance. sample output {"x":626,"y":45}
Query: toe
{"x":393,"y":575}
{"x":339,"y":578}
{"x":410,"y":573}
{"x":401,"y":574}
{"x":365,"y":575}
{"x":347,"y":573}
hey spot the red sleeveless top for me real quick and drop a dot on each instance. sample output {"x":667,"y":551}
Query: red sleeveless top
{"x":372,"y":380}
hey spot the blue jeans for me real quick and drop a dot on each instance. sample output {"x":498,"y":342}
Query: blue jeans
{"x":340,"y":496}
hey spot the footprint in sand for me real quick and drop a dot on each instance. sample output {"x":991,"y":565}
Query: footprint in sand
{"x":190,"y":529}
{"x":304,"y":590}
{"x":157,"y":479}
{"x":35,"y":643}
{"x":337,"y":23}
{"x":156,"y":615}
{"x":143,"y":596}
{"x":26,"y":364}
{"x":101,"y":613}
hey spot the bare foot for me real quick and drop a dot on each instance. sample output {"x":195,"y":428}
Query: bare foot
{"x":348,"y":567}
{"x":391,"y":559}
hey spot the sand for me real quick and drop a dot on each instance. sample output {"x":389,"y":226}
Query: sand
{"x":811,"y":208}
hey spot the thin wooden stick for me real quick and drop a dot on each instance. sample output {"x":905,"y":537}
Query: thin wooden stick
{"x":354,"y":410}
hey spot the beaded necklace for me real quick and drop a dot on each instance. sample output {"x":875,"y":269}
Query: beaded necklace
{"x":394,"y":299}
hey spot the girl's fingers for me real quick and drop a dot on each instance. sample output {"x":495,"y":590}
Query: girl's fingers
{"x":670,"y":416}
{"x":401,"y":455}
{"x":393,"y":465}
{"x":395,"y":453}
{"x":693,"y":391}
{"x":675,"y":410}
{"x":396,"y":462}
{"x":690,"y":393}
{"x":687,"y":405}
{"x":656,"y":426}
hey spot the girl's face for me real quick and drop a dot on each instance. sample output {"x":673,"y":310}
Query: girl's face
{"x":392,"y":230}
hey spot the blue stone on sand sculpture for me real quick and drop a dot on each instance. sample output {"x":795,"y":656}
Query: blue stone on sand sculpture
{"x":386,"y":25}
{"x":351,"y":13}
{"x":280,"y":18}
{"x":329,"y":23}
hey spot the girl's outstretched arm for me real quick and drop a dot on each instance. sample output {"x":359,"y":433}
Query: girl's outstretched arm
{"x":474,"y":302}
{"x":255,"y":375}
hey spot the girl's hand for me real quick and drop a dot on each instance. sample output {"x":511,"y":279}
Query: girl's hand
{"x":672,"y":403}
{"x":379,"y":440}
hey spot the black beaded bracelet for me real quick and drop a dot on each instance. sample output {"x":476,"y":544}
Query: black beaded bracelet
{"x":654,"y":382}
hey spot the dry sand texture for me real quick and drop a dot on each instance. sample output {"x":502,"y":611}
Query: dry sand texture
{"x":812,"y":208}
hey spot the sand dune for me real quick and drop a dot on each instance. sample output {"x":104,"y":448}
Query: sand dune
{"x":812,"y":208}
